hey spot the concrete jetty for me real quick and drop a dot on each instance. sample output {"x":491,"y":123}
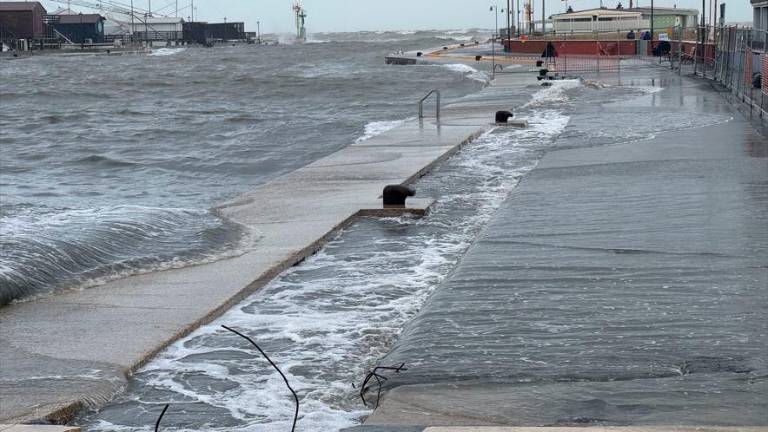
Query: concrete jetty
{"x":74,"y":349}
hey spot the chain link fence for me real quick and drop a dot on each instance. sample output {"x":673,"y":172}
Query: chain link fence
{"x":741,"y":66}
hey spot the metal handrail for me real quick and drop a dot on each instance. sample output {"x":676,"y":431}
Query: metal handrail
{"x":437,"y":107}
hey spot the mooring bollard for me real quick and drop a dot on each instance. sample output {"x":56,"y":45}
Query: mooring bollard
{"x":503,"y":116}
{"x":478,"y":57}
{"x":418,"y":54}
{"x":394,"y":195}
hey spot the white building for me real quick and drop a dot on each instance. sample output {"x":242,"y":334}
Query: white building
{"x":760,"y":20}
{"x":599,"y":20}
{"x":157,"y":28}
{"x":665,"y":17}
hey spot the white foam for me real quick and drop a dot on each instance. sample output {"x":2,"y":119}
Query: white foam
{"x":554,"y":93}
{"x":378,"y":127}
{"x":160,"y":52}
{"x":467,"y":70}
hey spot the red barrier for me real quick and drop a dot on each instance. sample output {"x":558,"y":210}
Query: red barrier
{"x":584,"y":63}
{"x":765,"y":74}
{"x":576,"y":47}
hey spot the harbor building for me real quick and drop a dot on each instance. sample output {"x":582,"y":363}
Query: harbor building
{"x":157,"y":28}
{"x":226,"y":31}
{"x":598,"y":20}
{"x":79,"y":28}
{"x":22,"y":20}
{"x":760,"y":20}
{"x":196,"y":32}
{"x":664,"y":17}
{"x":623,"y":20}
{"x":210,"y":33}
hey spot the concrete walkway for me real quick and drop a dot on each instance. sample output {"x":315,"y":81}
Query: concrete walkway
{"x":558,"y":429}
{"x":74,"y":349}
{"x":699,"y":192}
{"x":600,"y":429}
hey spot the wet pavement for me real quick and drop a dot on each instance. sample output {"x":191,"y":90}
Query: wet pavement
{"x":104,"y":333}
{"x":624,"y":282}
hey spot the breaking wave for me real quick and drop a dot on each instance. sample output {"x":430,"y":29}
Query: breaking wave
{"x":468,"y":71}
{"x":76,"y":248}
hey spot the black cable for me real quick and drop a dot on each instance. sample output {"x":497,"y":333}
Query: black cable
{"x":287,"y":384}
{"x":379,"y":380}
{"x":157,"y":423}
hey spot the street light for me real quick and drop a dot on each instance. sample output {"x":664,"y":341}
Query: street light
{"x":493,"y":43}
{"x":509,"y":25}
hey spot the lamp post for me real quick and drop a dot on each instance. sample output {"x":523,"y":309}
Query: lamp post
{"x":495,"y":9}
{"x":493,"y":43}
{"x":509,"y":24}
{"x":703,"y":35}
{"x":258,"y":32}
{"x":518,"y":18}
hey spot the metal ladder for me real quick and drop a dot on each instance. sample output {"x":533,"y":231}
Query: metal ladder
{"x":437,"y":106}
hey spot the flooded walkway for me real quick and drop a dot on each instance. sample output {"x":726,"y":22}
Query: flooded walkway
{"x":624,"y":282}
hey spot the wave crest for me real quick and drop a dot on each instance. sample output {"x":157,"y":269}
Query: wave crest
{"x":86,"y":247}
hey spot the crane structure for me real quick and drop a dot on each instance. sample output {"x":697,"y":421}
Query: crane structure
{"x":110,"y":8}
{"x":528,"y":15}
{"x":301,"y":15}
{"x":124,"y":13}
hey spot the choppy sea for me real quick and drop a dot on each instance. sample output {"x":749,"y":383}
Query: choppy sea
{"x":113,"y":165}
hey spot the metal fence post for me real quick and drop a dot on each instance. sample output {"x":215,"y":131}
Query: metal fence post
{"x":597,"y":45}
{"x":680,"y":50}
{"x":696,"y":54}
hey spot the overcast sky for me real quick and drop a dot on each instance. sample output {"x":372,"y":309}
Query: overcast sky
{"x":352,"y":15}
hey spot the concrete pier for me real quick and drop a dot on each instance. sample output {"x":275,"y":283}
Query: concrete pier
{"x":74,"y":349}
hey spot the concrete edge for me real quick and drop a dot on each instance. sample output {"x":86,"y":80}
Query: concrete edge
{"x":37,"y":428}
{"x":59,"y":414}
